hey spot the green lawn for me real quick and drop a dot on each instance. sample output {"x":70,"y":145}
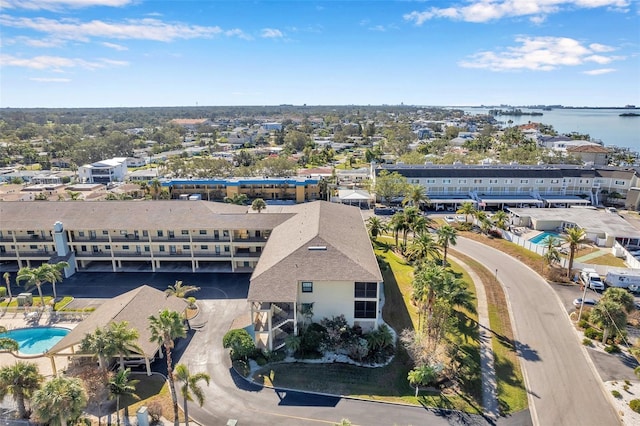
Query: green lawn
{"x":36,"y":300}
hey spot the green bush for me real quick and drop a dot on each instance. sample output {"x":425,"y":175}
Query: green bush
{"x":612,"y":349}
{"x":616,"y":394}
{"x":583,"y":323}
{"x":587,"y":342}
{"x":3,"y":291}
{"x":242,"y":367}
{"x":261,"y":360}
{"x":634,"y":404}
{"x":593,"y":334}
{"x":240,"y":342}
{"x":636,"y":371}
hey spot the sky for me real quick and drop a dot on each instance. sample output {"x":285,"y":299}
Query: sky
{"x":131,"y":53}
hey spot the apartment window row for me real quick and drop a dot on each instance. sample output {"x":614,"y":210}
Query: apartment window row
{"x":496,"y":181}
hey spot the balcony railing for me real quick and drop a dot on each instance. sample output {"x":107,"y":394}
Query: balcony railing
{"x":252,"y":254}
{"x":100,"y":238}
{"x":40,"y":253}
{"x":210,"y":238}
{"x":30,"y":238}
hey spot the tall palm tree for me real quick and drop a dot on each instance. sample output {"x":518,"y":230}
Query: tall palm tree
{"x":21,"y":380}
{"x":610,"y":315}
{"x":120,"y":385}
{"x":100,"y":343}
{"x":427,"y":282}
{"x":500,"y":219}
{"x":60,"y":400}
{"x":180,"y":290}
{"x":33,"y":276}
{"x":375,"y":226}
{"x":165,"y":327}
{"x":190,"y":387}
{"x":423,"y":247}
{"x":415,"y":195}
{"x":124,"y":340}
{"x":411,"y":217}
{"x":551,"y":255}
{"x":466,"y":209}
{"x":7,"y":280}
{"x":155,"y":188}
{"x":446,"y":237}
{"x":54,"y":274}
{"x":397,"y":224}
{"x":574,"y":237}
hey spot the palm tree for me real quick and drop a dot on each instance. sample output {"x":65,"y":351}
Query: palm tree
{"x":60,"y":400}
{"x":21,"y":380}
{"x":551,"y":255}
{"x":100,"y":343}
{"x":155,"y":188}
{"x":181,"y":291}
{"x":7,"y":280}
{"x":427,"y":283}
{"x":421,"y":376}
{"x":446,"y":237}
{"x":124,"y":340}
{"x":54,"y":274}
{"x":500,"y":219}
{"x":376,"y":227}
{"x":258,"y":205}
{"x":466,"y":209}
{"x":397,"y":224}
{"x":166,"y":327}
{"x":574,"y":237}
{"x":610,"y":315}
{"x":415,"y":196}
{"x":621,"y":296}
{"x":190,"y":387}
{"x":32,"y":276}
{"x":422,"y":247}
{"x":120,"y":385}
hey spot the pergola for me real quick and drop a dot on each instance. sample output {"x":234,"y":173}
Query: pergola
{"x":354,"y":196}
{"x":135,"y":307}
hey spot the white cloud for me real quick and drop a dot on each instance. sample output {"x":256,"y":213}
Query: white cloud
{"x":271,"y":33}
{"x":114,"y":46}
{"x":57,"y":63}
{"x":139,"y":29}
{"x":600,"y":71}
{"x":540,"y":54}
{"x":50,"y":80}
{"x":492,"y":10}
{"x":60,"y":4}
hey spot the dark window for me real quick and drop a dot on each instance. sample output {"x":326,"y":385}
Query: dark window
{"x":307,"y":287}
{"x":33,"y":247}
{"x":363,"y":309}
{"x":125,"y":247}
{"x":202,"y":247}
{"x":161,"y":248}
{"x":105,"y":232}
{"x":366,"y":290}
{"x":160,"y":233}
{"x":186,"y":247}
{"x":203,"y":232}
{"x":185,"y":232}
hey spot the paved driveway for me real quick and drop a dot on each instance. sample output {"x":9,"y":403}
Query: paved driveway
{"x":563,"y":387}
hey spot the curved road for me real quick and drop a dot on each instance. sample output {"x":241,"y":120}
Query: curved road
{"x":563,"y":387}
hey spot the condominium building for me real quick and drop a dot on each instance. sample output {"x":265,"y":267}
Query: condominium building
{"x":105,"y":171}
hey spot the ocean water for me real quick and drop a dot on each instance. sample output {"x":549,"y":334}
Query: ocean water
{"x":601,"y":124}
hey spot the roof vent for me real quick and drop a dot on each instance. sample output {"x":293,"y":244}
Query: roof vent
{"x":317,"y":248}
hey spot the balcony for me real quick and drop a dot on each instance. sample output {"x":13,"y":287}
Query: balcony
{"x":31,"y":238}
{"x":210,"y":238}
{"x":249,"y":239}
{"x":8,"y":255}
{"x":83,"y":254}
{"x":101,"y":238}
{"x":167,"y":238}
{"x":246,"y":253}
{"x":168,"y":254}
{"x":39,"y":253}
{"x":210,"y":254}
{"x":128,"y":238}
{"x":7,"y":239}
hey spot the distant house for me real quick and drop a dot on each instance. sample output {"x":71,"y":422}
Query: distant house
{"x":593,"y":154}
{"x":105,"y":171}
{"x":191,"y":124}
{"x":272,"y":126}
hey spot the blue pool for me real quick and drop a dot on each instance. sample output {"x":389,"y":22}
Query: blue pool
{"x":539,"y":239}
{"x":36,"y":340}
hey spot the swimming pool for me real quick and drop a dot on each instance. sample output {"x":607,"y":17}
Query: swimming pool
{"x":36,"y":340}
{"x":539,"y":239}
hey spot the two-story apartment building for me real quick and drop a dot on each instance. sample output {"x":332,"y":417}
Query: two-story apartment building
{"x":497,"y":186}
{"x":293,"y":189}
{"x":105,"y":171}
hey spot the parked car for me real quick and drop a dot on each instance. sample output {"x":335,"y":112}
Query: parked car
{"x":449,"y":219}
{"x":461,"y":218}
{"x":587,"y":302}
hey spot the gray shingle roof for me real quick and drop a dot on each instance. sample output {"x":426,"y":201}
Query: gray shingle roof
{"x":288,"y":259}
{"x":135,"y":307}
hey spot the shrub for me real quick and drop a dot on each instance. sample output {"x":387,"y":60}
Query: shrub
{"x":636,"y":371}
{"x":627,"y":382}
{"x":3,"y":291}
{"x":312,"y":339}
{"x":612,"y":349}
{"x":593,"y":334}
{"x":240,"y":343}
{"x":616,"y":394}
{"x":496,"y":233}
{"x":587,"y":342}
{"x":626,"y":388}
{"x":155,"y":411}
{"x":241,"y":367}
{"x":583,"y":324}
{"x":261,"y":360}
{"x":634,"y":404}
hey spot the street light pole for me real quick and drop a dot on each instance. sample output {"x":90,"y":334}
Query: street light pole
{"x":584,"y":294}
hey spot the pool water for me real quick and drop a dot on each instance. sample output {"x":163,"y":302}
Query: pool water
{"x":539,"y":239}
{"x":36,"y":340}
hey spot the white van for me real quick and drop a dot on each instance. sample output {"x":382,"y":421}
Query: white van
{"x":591,"y":279}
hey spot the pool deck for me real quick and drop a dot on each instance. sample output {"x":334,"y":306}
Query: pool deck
{"x":12,"y":320}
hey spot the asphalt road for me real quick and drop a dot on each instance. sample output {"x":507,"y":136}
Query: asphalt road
{"x":563,"y":387}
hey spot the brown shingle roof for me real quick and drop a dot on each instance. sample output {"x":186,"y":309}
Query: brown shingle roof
{"x":135,"y":307}
{"x":288,"y":259}
{"x":597,"y":149}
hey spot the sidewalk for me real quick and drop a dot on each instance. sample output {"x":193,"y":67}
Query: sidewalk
{"x":487,"y":369}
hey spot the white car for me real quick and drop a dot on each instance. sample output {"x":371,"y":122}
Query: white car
{"x":461,"y":218}
{"x":449,"y":219}
{"x":587,"y":302}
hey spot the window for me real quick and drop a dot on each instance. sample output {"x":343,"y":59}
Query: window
{"x":366,"y":290}
{"x":185,"y":232}
{"x":201,"y":247}
{"x":415,"y":181}
{"x":508,"y":181}
{"x":147,"y":249}
{"x":33,"y":247}
{"x":83,"y":248}
{"x":203,"y":232}
{"x":125,"y":247}
{"x":225,"y":234}
{"x":160,"y":233}
{"x":524,"y":180}
{"x":462,"y":181}
{"x":185,"y":247}
{"x":31,"y":232}
{"x":364,"y":309}
{"x":161,"y":248}
{"x":145,"y":233}
{"x":539,"y":180}
{"x":493,"y":180}
{"x":107,"y":247}
{"x":307,"y":287}
{"x":105,"y":232}
{"x":446,"y":180}
{"x":477,"y":181}
{"x":226,"y":249}
{"x":80,"y":233}
{"x":618,"y":182}
{"x":555,"y":180}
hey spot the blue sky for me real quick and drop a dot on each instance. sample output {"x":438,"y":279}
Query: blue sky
{"x":99,"y":53}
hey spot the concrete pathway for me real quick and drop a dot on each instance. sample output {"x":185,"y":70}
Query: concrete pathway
{"x":488,"y":372}
{"x":592,"y":255}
